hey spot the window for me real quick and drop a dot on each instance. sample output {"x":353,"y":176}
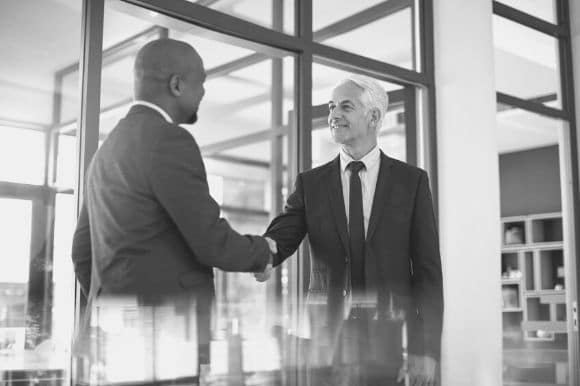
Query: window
{"x":258,"y":127}
{"x":382,"y":30}
{"x":38,"y":170}
{"x":534,"y":137}
{"x":527,"y":63}
{"x":244,"y":121}
{"x":266,"y":13}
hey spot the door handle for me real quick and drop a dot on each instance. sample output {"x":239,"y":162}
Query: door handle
{"x":575,"y":315}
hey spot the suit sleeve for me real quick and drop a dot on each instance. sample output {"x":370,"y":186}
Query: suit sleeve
{"x":81,"y":251}
{"x":179,"y":182}
{"x":289,"y":227}
{"x":425,"y":329}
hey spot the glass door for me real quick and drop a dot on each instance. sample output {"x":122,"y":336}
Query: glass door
{"x":537,"y":260}
{"x":242,"y":131}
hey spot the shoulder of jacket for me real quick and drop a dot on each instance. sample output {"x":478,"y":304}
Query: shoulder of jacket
{"x":317,"y":171}
{"x":406,"y":168}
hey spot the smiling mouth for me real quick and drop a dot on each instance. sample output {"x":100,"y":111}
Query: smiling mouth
{"x":337,"y":126}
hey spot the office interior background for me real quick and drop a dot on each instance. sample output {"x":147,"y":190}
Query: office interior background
{"x":481,"y":96}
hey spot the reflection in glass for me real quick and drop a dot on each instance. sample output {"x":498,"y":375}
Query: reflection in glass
{"x":535,"y":334}
{"x":526,"y":63}
{"x":40,"y":49}
{"x":22,"y":155}
{"x":244,"y":120}
{"x":544,"y":9}
{"x":381,"y":30}
{"x":257,"y":12}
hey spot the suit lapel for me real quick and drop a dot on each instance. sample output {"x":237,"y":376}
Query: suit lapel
{"x":334,"y":186}
{"x":382,"y":192}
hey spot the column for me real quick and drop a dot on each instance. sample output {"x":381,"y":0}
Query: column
{"x":469,"y":202}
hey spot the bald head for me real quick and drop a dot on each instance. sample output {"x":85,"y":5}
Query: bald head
{"x":170,"y":74}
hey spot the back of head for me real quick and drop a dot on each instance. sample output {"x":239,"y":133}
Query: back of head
{"x":157,"y":61}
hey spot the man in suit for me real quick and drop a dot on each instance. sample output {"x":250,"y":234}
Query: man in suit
{"x":148,"y":227}
{"x":375,"y":263}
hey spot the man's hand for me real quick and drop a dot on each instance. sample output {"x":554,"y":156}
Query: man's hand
{"x":263,"y":276}
{"x":272,"y":245}
{"x":421,"y":370}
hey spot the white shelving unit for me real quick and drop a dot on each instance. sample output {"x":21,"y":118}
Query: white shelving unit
{"x":534,"y":293}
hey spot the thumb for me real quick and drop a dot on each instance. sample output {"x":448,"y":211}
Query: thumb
{"x":261,"y":277}
{"x":265,"y":275}
{"x":401,"y":376}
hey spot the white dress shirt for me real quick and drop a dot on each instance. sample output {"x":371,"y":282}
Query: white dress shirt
{"x":368,"y":178}
{"x":154,"y":107}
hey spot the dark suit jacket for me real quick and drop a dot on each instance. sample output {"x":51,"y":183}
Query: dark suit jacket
{"x":402,"y":260}
{"x":148,"y":225}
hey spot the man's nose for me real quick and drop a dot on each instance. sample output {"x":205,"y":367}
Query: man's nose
{"x":333,"y":114}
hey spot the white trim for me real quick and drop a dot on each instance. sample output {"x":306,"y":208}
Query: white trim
{"x":154,"y":107}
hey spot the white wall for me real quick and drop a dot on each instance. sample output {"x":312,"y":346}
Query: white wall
{"x":468,"y":192}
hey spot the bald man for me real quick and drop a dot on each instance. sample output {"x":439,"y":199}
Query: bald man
{"x":148,"y":227}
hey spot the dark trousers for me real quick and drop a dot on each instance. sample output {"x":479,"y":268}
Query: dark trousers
{"x":368,"y":352}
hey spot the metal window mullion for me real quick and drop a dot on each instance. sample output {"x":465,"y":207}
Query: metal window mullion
{"x":410,"y":125}
{"x":425,"y":99}
{"x":220,"y":22}
{"x":569,"y":105}
{"x":118,"y":51}
{"x":528,"y":20}
{"x":351,"y":62}
{"x":362,"y":18}
{"x":299,"y":159}
{"x":90,"y":87}
{"x":274,"y":287}
{"x":88,"y":123}
{"x":530,"y":106}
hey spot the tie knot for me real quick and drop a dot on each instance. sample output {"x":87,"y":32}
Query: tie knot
{"x":356,"y":166}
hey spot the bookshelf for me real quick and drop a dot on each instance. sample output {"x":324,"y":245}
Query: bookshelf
{"x":534,"y":299}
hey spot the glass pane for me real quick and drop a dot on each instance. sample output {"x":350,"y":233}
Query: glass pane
{"x":350,"y":111}
{"x":63,"y":280}
{"x":391,"y":139}
{"x":69,"y":103}
{"x":535,"y":334}
{"x":22,"y":155}
{"x":544,"y":9}
{"x":66,"y":156}
{"x":526,"y":63}
{"x":243,"y":80}
{"x":15,"y":251}
{"x":381,"y":30}
{"x":258,"y":12}
{"x":40,"y":44}
{"x":244,"y":119}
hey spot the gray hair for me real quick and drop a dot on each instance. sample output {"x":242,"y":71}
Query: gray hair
{"x":374,"y":95}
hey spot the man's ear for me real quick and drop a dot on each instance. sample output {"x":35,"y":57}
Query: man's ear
{"x":175,"y":86}
{"x":375,"y":117}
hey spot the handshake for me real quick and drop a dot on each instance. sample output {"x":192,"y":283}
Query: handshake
{"x":263,"y":276}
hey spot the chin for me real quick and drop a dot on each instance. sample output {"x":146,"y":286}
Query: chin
{"x":339,"y":139}
{"x":192,"y":118}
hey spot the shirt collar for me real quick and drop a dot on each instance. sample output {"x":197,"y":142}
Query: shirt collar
{"x":154,"y":107}
{"x":370,"y":159}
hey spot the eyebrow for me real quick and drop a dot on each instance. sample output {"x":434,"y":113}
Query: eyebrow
{"x":346,"y":101}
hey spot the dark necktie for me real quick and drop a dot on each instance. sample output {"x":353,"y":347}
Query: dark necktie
{"x":356,"y":228}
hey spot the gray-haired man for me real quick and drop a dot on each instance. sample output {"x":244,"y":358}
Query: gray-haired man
{"x":375,"y":263}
